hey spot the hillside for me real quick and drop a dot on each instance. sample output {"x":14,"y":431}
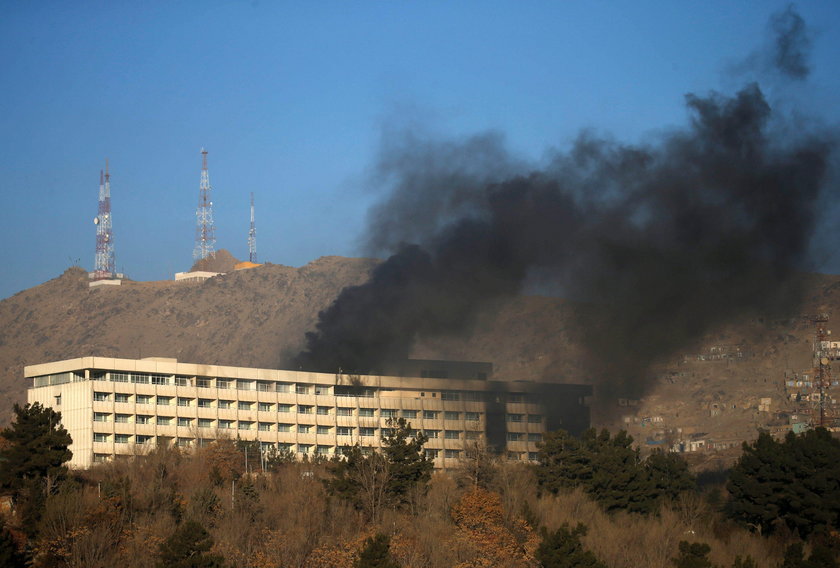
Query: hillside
{"x":258,"y":318}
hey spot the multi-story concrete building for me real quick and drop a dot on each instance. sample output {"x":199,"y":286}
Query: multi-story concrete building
{"x":123,"y":407}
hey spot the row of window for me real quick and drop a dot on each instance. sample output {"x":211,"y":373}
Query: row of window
{"x":281,"y":387}
{"x":304,"y":408}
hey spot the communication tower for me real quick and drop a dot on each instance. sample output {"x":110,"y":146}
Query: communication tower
{"x":205,"y":231}
{"x":252,"y":235}
{"x":104,"y":266}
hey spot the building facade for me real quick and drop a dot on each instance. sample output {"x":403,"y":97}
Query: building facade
{"x":123,"y":407}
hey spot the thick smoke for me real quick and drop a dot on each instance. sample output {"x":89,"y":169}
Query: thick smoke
{"x":661,"y":242}
{"x":792,"y":44}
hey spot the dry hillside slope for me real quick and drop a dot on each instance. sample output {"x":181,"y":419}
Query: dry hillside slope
{"x":258,"y":317}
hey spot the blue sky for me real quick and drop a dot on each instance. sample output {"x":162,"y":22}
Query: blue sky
{"x":290,"y":98}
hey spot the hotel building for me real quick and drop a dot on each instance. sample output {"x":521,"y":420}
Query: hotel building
{"x":123,"y":407}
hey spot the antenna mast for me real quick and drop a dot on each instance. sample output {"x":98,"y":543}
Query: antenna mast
{"x":104,"y":264}
{"x":205,"y":231}
{"x":252,"y":235}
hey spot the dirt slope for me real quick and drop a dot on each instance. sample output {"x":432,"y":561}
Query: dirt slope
{"x":258,"y":317}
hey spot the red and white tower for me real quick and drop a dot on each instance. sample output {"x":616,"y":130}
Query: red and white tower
{"x":104,"y":264}
{"x":205,"y":231}
{"x":252,"y":235}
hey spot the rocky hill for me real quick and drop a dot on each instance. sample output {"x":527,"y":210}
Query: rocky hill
{"x":258,"y":317}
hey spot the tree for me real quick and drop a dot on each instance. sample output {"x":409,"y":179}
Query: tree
{"x":693,"y":555}
{"x":563,"y":549}
{"x":408,"y":465}
{"x":796,"y":482}
{"x":377,"y":553}
{"x":10,"y":557}
{"x":36,"y":451}
{"x":188,"y":547}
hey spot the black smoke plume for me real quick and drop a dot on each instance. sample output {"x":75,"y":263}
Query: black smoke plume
{"x":660,"y":242}
{"x":792,"y":44}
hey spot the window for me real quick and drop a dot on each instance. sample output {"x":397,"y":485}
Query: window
{"x":450,"y":395}
{"x":57,"y":400}
{"x":513,"y":456}
{"x":160,"y":380}
{"x":449,"y":415}
{"x":452,"y":454}
{"x":432,"y":433}
{"x":302,"y":389}
{"x":284,"y":446}
{"x":225,"y":424}
{"x":144,"y":399}
{"x":99,"y":437}
{"x":472,"y":416}
{"x":472,"y":435}
{"x":203,"y":383}
{"x":121,"y":418}
{"x":142,"y":439}
{"x":265,"y":386}
{"x":121,"y":438}
{"x":305,"y":409}
{"x":164,"y":420}
{"x":283,"y":387}
{"x":185,"y":422}
{"x":204,"y":402}
{"x":474,"y":396}
{"x":285,"y":407}
{"x":119,"y":377}
{"x":183,"y":381}
{"x":324,"y":429}
{"x":245,"y":385}
{"x":304,"y":448}
{"x":244,"y":405}
{"x":516,"y":397}
{"x":264,"y":406}
{"x":409,"y":414}
{"x":205,"y":423}
{"x":184,"y":442}
{"x":100,"y":458}
{"x":345,"y":431}
{"x":322,"y":450}
{"x":140,"y":378}
{"x":367,"y":412}
{"x":535,"y":418}
{"x":266,"y":446}
{"x":225,"y":404}
{"x":324,"y":410}
{"x":514,"y":436}
{"x":432,"y":454}
{"x":430,"y":414}
{"x":101,"y":416}
{"x":264,"y":426}
{"x":344,"y":411}
{"x":119,"y":397}
{"x":143,"y":419}
{"x":304,"y":428}
{"x":283,"y":427}
{"x":388,"y":413}
{"x":184,"y":401}
{"x":223,"y":384}
{"x":514,"y":417}
{"x":243,"y":425}
{"x":535,"y":437}
{"x":532,"y":456}
{"x":164,"y":400}
{"x":367,"y":431}
{"x":452,"y":434}
{"x":322,"y":390}
{"x":102,"y":396}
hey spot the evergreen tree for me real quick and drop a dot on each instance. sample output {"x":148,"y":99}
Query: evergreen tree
{"x":796,"y":481}
{"x":693,"y":555}
{"x":408,"y":465}
{"x":563,"y":549}
{"x":669,"y":475}
{"x":188,"y":547}
{"x":377,"y":553}
{"x":36,"y":450}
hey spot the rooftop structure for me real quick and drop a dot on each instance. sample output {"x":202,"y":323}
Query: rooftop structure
{"x":123,"y":407}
